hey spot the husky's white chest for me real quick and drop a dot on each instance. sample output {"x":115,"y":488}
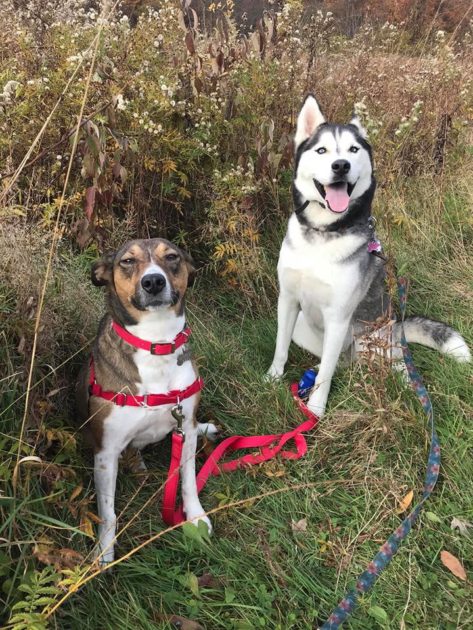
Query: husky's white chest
{"x":316,"y":270}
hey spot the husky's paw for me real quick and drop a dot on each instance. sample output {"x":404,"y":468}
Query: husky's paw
{"x":274,"y":373}
{"x":317,"y":404}
{"x":316,"y":410}
{"x":208,"y":430}
{"x":104,"y":558}
{"x":401,"y":368}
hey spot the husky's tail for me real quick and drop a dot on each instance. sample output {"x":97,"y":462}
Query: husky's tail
{"x":432,"y":334}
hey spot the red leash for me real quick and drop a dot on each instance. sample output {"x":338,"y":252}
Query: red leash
{"x":269,"y":445}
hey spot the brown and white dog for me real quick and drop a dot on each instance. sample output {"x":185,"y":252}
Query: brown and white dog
{"x":146,"y":282}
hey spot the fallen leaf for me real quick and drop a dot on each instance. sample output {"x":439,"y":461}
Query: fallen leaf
{"x":433,"y":517}
{"x":207,"y":580}
{"x":179,"y":622}
{"x":405,"y":503}
{"x":75,"y":493}
{"x":299,"y":527}
{"x":378,"y":613}
{"x":86,"y":526}
{"x":185,"y":624}
{"x":94,"y":518}
{"x":453,"y":564}
{"x":45,"y":552}
{"x":462,"y":526}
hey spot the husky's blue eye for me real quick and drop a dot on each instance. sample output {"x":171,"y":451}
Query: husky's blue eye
{"x":321,"y":150}
{"x":354,"y":149}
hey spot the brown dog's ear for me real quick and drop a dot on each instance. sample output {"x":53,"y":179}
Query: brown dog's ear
{"x":102,"y":270}
{"x":191,"y":270}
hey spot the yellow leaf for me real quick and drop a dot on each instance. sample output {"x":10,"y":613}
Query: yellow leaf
{"x":453,"y":564}
{"x":75,"y":493}
{"x":86,"y":527}
{"x":183,"y":192}
{"x":405,"y":503}
{"x":219,"y":252}
{"x":94,"y":518}
{"x":169,"y":166}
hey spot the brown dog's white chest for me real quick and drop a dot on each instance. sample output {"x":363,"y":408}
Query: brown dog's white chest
{"x":140,"y":426}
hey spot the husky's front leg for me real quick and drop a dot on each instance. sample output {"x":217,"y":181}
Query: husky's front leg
{"x":288,"y":309}
{"x":334,"y":337}
{"x":190,"y":499}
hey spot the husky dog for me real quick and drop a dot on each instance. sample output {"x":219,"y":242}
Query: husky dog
{"x":331,"y":284}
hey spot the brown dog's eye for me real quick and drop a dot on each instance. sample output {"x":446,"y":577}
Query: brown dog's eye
{"x":127,"y":262}
{"x":172,"y":257}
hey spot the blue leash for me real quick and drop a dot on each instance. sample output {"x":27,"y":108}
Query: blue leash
{"x":385,"y":554}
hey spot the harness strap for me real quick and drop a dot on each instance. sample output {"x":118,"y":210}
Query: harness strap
{"x":154,"y":348}
{"x":269,"y":445}
{"x":148,"y":400}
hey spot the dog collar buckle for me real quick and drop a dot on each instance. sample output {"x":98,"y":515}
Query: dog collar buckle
{"x":157,"y":348}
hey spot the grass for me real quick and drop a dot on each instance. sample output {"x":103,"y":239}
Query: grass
{"x":364,"y":457}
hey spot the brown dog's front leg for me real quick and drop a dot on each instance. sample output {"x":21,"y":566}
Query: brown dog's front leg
{"x":105,"y":474}
{"x":190,"y":499}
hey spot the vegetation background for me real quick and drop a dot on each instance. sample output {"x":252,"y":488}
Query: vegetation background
{"x":146,"y":118}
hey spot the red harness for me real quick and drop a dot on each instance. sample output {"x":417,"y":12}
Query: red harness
{"x":269,"y":445}
{"x":148,"y":400}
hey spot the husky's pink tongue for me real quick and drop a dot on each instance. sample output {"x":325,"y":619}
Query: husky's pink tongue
{"x":337,"y":197}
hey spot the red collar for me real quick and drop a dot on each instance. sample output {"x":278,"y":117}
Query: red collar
{"x":154,"y":348}
{"x":148,"y":400}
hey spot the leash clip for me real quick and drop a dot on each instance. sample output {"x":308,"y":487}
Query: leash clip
{"x":176,"y":412}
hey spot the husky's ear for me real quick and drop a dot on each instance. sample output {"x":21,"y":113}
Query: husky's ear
{"x":102,"y":270}
{"x":310,"y":117}
{"x":355,"y":121}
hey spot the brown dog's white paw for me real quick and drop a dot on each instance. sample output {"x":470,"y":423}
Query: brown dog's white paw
{"x":208,"y":430}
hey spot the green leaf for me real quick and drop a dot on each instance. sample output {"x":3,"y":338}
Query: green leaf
{"x":193,"y":584}
{"x":191,"y":531}
{"x":204,"y":530}
{"x":433,"y":517}
{"x":229,"y":595}
{"x":378,"y":613}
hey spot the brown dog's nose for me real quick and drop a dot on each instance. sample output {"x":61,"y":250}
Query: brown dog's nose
{"x":153,"y":283}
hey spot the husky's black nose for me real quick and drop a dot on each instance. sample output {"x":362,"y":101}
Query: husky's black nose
{"x":153,"y":283}
{"x":341,"y":167}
